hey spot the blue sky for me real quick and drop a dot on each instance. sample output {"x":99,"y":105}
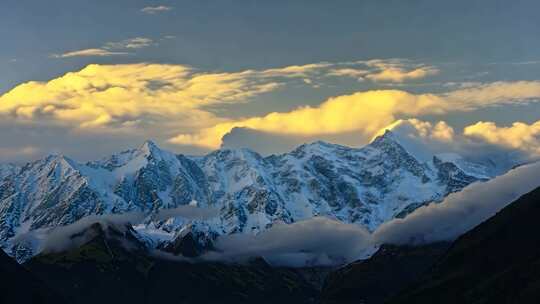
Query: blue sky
{"x":436,"y":47}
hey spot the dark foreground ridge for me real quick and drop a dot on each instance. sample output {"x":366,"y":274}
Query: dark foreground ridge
{"x":496,"y":262}
{"x":387,"y":272}
{"x":18,"y":285}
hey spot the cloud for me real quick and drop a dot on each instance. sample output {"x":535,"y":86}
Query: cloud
{"x":336,"y":115}
{"x":113,"y":95}
{"x":348,"y":72}
{"x":293,"y":70}
{"x":426,"y":139}
{"x":398,"y":70}
{"x":109,"y":49}
{"x":369,"y":111}
{"x":317,"y":241}
{"x":440,"y":131}
{"x":263,"y":142}
{"x":88,"y":53}
{"x":383,"y":70}
{"x":495,"y":93}
{"x":143,"y":96}
{"x":151,"y":10}
{"x":17,"y":152}
{"x":185,"y":106}
{"x":190,"y":212}
{"x":400,"y":75}
{"x":519,"y":135}
{"x":133,"y":43}
{"x":62,"y":238}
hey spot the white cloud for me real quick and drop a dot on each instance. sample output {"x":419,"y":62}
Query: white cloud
{"x":348,"y":72}
{"x":89,"y":53}
{"x":495,"y":93}
{"x":110,"y":48}
{"x":133,"y":43}
{"x":151,"y":10}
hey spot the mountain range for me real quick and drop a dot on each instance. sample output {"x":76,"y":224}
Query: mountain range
{"x":496,"y":262}
{"x":365,"y":186}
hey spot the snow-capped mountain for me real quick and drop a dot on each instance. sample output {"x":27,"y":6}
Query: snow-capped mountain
{"x":7,"y":170}
{"x":366,"y":186}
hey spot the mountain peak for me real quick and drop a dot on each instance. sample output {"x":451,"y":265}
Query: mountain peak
{"x":388,"y":138}
{"x":149,"y":147}
{"x":59,"y":158}
{"x":387,"y":135}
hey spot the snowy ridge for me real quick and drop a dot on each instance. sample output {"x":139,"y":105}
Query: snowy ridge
{"x":366,"y":186}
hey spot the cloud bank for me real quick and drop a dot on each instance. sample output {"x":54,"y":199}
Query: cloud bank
{"x":367,"y":112}
{"x":187,"y":107}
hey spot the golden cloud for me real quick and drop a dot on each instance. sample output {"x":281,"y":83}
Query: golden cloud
{"x":519,"y":135}
{"x":439,"y":131}
{"x":400,"y":75}
{"x":176,"y":99}
{"x":398,"y":70}
{"x":368,"y":112}
{"x":101,"y":95}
